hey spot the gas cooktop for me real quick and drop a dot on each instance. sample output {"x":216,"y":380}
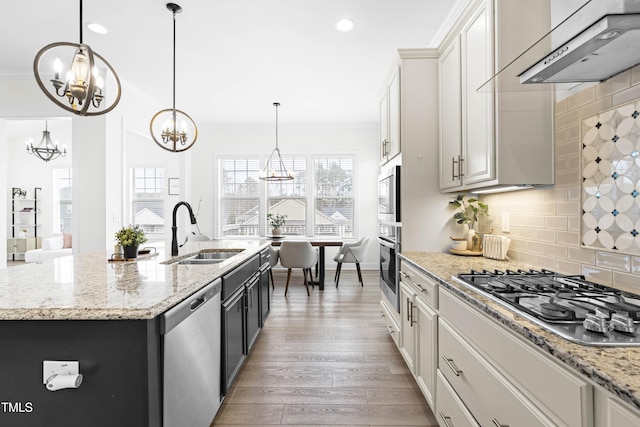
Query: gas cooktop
{"x":570,"y":306}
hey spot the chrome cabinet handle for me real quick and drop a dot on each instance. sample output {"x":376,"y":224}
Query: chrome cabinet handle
{"x":451,"y":365}
{"x":403,"y":274}
{"x":445,"y":419}
{"x":460,"y":160}
{"x":408,"y":310}
{"x":453,"y":168}
{"x":497,"y":423}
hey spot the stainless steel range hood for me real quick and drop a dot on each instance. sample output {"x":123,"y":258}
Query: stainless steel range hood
{"x":606,"y":48}
{"x":598,"y":40}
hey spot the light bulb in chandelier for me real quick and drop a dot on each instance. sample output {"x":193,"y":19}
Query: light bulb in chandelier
{"x":82,"y":91}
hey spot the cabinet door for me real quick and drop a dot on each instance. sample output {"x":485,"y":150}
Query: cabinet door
{"x":384,"y":126}
{"x":450,"y":116}
{"x":477,"y":106}
{"x":265,"y":302}
{"x":427,"y":350}
{"x":253,"y":312}
{"x":620,"y":416}
{"x":393,"y":147}
{"x":232,"y":338}
{"x":408,"y":326}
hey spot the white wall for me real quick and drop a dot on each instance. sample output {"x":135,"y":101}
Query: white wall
{"x":3,"y":184}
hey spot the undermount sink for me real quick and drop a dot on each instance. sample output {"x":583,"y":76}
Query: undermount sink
{"x":212,"y":257}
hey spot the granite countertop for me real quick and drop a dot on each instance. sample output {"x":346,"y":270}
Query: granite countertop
{"x":90,"y":287}
{"x":617,"y":369}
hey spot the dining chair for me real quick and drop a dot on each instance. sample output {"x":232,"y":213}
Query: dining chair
{"x":297,"y":255}
{"x":274,"y":254}
{"x":352,"y":253}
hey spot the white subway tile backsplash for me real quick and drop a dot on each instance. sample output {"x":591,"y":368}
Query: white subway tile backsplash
{"x":626,"y":282}
{"x":581,"y":98}
{"x":555,"y":222}
{"x":573,"y":223}
{"x":536,"y":247}
{"x":547,"y":208}
{"x":614,"y":261}
{"x":568,"y":238}
{"x":626,"y":96}
{"x":573,"y":193}
{"x":568,"y":178}
{"x":569,"y":208}
{"x":614,"y":84}
{"x":556,"y":251}
{"x":547,"y":263}
{"x":635,"y":265}
{"x":571,"y":148}
{"x":582,"y":255}
{"x":598,"y":275}
{"x":570,"y":118}
{"x":548,"y":236}
{"x":569,"y":267}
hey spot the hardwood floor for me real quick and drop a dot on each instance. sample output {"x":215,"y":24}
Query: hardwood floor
{"x":325,"y":360}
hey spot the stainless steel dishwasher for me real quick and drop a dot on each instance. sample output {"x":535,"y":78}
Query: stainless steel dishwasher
{"x":191,"y":369}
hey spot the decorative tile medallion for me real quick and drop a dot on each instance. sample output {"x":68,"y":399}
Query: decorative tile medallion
{"x":611,"y":180}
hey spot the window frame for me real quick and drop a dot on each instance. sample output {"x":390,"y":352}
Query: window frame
{"x":162,"y":199}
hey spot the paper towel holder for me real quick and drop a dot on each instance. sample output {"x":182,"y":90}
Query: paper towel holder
{"x":59,"y":374}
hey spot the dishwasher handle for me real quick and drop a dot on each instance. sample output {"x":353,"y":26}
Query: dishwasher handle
{"x":174,"y":316}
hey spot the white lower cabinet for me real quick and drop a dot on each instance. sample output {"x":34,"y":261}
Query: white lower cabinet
{"x":450,"y":410}
{"x":419,"y":328}
{"x":503,"y":380}
{"x":392,"y":325}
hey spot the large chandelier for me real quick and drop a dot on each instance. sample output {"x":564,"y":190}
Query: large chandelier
{"x":275,"y":169}
{"x":172,"y":129}
{"x":45,"y":150}
{"x":82,"y":89}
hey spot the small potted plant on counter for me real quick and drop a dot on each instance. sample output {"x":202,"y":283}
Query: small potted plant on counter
{"x":130,"y":238}
{"x":276,"y":220}
{"x":468,"y":212}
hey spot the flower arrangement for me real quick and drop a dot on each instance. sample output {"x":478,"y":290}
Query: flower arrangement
{"x":276,"y":220}
{"x":130,"y":236}
{"x":469,"y":211}
{"x":19,"y":192}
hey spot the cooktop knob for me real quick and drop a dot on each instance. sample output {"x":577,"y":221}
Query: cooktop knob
{"x":595,"y":323}
{"x":622,"y":323}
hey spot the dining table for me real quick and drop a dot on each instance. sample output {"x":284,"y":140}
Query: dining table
{"x":321,"y":243}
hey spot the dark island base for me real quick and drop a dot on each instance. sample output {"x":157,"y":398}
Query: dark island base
{"x":120,"y":362}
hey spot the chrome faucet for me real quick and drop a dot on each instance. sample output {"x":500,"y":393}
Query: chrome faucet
{"x":174,"y":228}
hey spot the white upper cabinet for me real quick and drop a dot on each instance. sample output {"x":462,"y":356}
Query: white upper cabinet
{"x":487,"y":139}
{"x":390,"y":116}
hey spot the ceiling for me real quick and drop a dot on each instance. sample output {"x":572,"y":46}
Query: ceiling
{"x":236,"y":57}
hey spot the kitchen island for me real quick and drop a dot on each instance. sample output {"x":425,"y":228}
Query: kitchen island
{"x":614,"y":371}
{"x":104,"y":314}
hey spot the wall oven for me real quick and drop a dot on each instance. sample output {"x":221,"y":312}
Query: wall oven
{"x":389,"y":195}
{"x":389,"y":240}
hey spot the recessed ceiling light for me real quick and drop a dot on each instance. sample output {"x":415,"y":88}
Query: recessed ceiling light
{"x":97,"y":28}
{"x":344,"y":25}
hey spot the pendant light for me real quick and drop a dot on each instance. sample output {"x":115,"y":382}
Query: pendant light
{"x":172,"y":129}
{"x":46,"y":150}
{"x":275,"y":170}
{"x":83,"y":88}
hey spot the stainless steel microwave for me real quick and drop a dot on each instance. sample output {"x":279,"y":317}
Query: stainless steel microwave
{"x":389,"y":195}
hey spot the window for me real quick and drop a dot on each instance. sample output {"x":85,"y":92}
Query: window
{"x":148,"y":201}
{"x":333,"y":196}
{"x":326,"y":210}
{"x":289,"y":197}
{"x":240,"y":197}
{"x":62,"y":201}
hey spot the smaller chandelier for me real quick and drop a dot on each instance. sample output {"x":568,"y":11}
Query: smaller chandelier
{"x":172,"y":129}
{"x":275,"y":169}
{"x":82,"y":86}
{"x":46,"y":150}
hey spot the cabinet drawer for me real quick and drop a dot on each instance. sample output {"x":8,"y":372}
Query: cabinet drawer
{"x":567,"y":399}
{"x":424,"y":287}
{"x":490,"y":398}
{"x":450,"y":411}
{"x":392,"y":326}
{"x":232,"y":281}
{"x":620,"y":416}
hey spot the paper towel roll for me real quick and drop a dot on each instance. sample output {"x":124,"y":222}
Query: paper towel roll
{"x":58,"y":382}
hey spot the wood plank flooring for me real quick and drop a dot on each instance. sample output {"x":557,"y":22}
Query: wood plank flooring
{"x":325,"y":360}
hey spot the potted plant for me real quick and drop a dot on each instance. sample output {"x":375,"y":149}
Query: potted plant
{"x":276,"y":220}
{"x":130,"y":238}
{"x":468,"y":212}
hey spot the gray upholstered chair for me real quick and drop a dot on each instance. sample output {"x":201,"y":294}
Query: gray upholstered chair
{"x":274,"y":254}
{"x":298,"y":254}
{"x":351,"y":253}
